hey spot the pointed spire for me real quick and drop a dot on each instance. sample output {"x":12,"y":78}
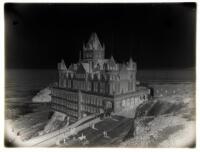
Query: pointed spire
{"x":112,"y":58}
{"x":130,"y":63}
{"x":62,"y":61}
{"x":130,"y":60}
{"x":62,"y":65}
{"x":94,"y":42}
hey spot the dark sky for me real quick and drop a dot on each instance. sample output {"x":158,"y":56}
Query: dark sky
{"x":155,"y":35}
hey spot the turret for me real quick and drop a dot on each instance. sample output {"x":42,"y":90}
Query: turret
{"x":62,"y":71}
{"x":131,"y":65}
{"x":93,"y":50}
{"x":62,"y":66}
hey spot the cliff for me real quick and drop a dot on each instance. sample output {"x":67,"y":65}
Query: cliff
{"x":165,"y":122}
{"x":42,"y":96}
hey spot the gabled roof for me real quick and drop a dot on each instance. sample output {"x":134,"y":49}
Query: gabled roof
{"x":81,"y":69}
{"x":71,"y":67}
{"x":112,"y":60}
{"x":130,"y":60}
{"x":86,"y":67}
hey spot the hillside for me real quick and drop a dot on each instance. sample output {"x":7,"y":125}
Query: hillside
{"x":167,"y":121}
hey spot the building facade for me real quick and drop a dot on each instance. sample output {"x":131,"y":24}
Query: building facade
{"x":95,"y":84}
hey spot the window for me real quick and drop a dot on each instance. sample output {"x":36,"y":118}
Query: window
{"x":100,"y":102}
{"x":80,"y":85}
{"x":95,"y":102}
{"x":123,"y":103}
{"x":102,"y":87}
{"x":128,"y":102}
{"x":95,"y":86}
{"x":89,"y":86}
{"x":69,"y":83}
{"x":74,"y":84}
{"x":108,"y":105}
{"x":89,"y":100}
{"x":86,"y":99}
{"x":92,"y":100}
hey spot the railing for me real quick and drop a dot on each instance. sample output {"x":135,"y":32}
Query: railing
{"x":41,"y":139}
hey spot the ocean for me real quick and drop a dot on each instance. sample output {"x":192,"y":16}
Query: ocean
{"x":22,"y":85}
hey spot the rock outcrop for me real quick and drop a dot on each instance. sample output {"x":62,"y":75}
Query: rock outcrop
{"x":42,"y":96}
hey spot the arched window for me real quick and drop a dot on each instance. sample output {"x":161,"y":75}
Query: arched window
{"x":108,"y":104}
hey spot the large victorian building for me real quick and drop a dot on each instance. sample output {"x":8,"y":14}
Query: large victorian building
{"x":96,"y":84}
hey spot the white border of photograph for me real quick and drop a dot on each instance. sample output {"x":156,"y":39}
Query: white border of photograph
{"x":2,"y":79}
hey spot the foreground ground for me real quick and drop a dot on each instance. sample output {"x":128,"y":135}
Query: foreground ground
{"x":167,"y":121}
{"x":25,"y":120}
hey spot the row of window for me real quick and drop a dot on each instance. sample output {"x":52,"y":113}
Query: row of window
{"x":70,"y":76}
{"x":65,"y":110}
{"x":112,"y":68}
{"x":65,"y":103}
{"x":93,"y":100}
{"x":89,"y":109}
{"x":133,"y":101}
{"x":66,"y":95}
{"x":80,"y":76}
{"x":98,"y":87}
{"x":90,"y":55}
{"x":101,"y":87}
{"x":82,"y":85}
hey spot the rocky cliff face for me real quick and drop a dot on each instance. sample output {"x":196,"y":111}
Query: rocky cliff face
{"x":165,"y":122}
{"x":42,"y":96}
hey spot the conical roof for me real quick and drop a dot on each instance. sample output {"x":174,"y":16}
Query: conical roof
{"x":130,"y":60}
{"x":62,"y":65}
{"x":94,"y":43}
{"x":112,"y":59}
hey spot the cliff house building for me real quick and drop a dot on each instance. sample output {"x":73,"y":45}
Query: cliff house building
{"x":95,"y":84}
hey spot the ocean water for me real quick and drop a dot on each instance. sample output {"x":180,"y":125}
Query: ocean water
{"x":166,"y":76}
{"x":22,"y":85}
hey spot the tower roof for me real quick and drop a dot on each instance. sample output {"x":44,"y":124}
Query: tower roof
{"x":94,"y":43}
{"x":112,"y":59}
{"x":62,"y":65}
